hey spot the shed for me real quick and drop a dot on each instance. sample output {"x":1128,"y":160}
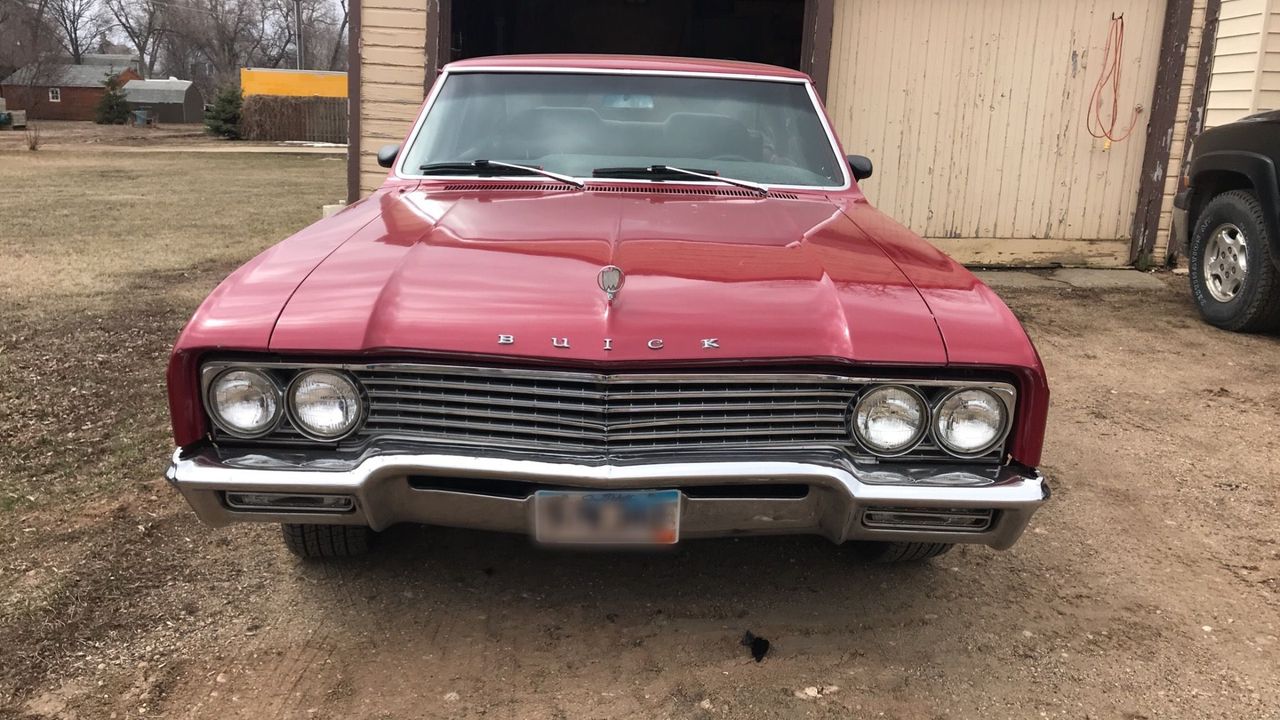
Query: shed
{"x":169,"y":101}
{"x":975,"y":112}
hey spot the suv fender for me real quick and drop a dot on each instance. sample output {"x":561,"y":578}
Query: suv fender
{"x":1261,"y":173}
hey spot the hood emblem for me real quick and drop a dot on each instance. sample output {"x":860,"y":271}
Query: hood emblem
{"x":610,"y":280}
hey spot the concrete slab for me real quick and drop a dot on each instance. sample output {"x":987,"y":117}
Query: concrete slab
{"x":1015,"y":279}
{"x":1106,"y":279}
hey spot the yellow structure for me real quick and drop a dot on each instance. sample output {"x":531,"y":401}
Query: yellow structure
{"x":293,"y":83}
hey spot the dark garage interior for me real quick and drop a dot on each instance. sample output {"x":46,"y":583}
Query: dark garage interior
{"x":768,"y":31}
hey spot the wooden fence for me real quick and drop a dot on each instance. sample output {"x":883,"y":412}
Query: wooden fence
{"x":275,"y":117}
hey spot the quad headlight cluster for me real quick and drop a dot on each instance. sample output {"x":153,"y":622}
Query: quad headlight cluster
{"x":321,"y":404}
{"x":891,"y":420}
{"x":327,"y":404}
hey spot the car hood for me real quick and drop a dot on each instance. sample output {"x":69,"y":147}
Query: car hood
{"x":515,"y":273}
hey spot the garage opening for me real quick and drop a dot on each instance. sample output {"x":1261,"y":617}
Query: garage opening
{"x":768,"y":31}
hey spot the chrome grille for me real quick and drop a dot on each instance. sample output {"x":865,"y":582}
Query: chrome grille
{"x":604,"y":413}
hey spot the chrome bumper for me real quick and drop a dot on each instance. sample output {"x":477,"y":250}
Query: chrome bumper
{"x":390,"y":487}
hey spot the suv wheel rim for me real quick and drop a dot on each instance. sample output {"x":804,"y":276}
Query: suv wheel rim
{"x":1225,"y":262}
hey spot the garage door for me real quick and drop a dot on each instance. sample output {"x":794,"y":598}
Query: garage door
{"x":974,"y":112}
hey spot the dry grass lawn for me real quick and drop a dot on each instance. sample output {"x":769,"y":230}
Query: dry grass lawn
{"x":78,"y":132}
{"x":83,"y":224}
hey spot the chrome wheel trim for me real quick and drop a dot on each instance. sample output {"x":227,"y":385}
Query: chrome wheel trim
{"x":1225,"y":263}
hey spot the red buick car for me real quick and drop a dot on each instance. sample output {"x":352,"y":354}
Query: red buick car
{"x":618,"y":301}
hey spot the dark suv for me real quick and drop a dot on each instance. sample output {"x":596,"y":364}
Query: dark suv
{"x":1227,"y":221}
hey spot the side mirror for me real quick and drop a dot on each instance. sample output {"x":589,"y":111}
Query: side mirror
{"x":860,"y":165}
{"x":387,"y":155}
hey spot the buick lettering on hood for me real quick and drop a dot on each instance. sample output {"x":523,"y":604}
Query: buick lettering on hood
{"x":612,"y":300}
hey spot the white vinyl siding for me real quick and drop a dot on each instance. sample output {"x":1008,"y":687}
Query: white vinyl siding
{"x":1246,"y":61}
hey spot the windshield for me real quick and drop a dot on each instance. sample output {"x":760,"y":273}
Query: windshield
{"x":761,"y":131}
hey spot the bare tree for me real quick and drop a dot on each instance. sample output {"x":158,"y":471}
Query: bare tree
{"x":321,"y":32}
{"x":25,"y":31}
{"x":229,"y":34}
{"x":29,"y":36}
{"x":337,"y":61}
{"x":210,"y":40}
{"x":17,"y":21}
{"x":141,"y":21}
{"x":181,"y":55}
{"x":82,"y":23}
{"x":276,"y":38}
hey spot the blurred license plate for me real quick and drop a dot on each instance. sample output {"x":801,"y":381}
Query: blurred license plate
{"x":644,"y":517}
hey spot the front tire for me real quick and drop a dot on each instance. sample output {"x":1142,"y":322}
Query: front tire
{"x":320,"y":542}
{"x":1234,"y":280}
{"x":900,"y":552}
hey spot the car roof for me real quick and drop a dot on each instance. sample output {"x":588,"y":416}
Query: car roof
{"x":655,"y":64}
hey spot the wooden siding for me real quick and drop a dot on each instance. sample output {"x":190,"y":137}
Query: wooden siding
{"x":76,"y":103}
{"x":973,"y":112}
{"x":393,"y":77}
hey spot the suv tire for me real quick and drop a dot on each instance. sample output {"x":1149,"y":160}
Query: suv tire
{"x":900,"y":552}
{"x":314,"y":542}
{"x":1234,"y":295}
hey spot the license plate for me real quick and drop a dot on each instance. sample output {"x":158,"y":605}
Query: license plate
{"x":643,"y":517}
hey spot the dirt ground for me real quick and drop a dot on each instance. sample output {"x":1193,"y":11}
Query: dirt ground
{"x":67,"y":135}
{"x":69,"y":132}
{"x":1147,"y":587}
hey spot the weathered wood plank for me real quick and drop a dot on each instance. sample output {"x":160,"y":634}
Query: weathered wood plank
{"x":973,"y":111}
{"x":1035,"y":252}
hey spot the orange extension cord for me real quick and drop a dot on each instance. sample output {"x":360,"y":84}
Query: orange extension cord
{"x":1112,"y":59}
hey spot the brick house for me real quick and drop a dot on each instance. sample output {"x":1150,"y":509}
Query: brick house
{"x":61,"y":90}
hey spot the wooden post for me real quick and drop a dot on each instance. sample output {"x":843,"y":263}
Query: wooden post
{"x":353,"y":101}
{"x":1164,"y":111}
{"x":815,"y":46}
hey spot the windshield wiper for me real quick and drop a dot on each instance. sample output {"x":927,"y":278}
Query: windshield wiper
{"x":669,"y":171}
{"x":493,"y":167}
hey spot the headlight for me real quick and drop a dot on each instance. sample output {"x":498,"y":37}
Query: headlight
{"x":245,"y":403}
{"x":889,"y":420}
{"x":325,"y":404}
{"x":970,"y":421}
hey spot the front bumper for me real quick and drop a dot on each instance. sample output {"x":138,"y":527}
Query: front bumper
{"x":719,"y":497}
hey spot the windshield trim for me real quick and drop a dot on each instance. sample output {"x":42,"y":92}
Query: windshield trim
{"x":402,"y":173}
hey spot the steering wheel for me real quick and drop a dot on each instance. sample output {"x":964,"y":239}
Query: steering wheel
{"x":735,"y":158}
